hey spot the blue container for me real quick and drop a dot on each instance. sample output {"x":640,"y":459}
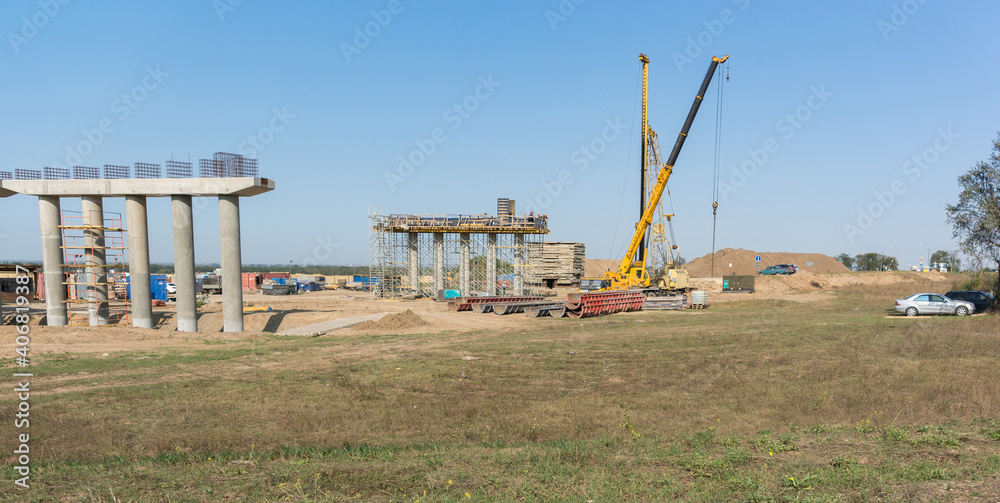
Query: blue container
{"x":153,"y":281}
{"x":158,"y":285}
{"x":278,"y":281}
{"x":452,"y":294}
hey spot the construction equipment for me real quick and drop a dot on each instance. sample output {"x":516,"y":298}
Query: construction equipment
{"x":632,"y":273}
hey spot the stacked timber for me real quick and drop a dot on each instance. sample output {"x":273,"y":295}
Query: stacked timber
{"x":560,"y":263}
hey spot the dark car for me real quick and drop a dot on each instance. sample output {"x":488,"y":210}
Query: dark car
{"x":981,"y":300}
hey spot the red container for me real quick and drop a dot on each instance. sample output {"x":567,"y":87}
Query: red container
{"x":39,"y":284}
{"x":251,"y":281}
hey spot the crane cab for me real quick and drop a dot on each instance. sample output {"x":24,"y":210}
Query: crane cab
{"x":594,"y":285}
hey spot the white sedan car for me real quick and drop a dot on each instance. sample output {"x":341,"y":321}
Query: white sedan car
{"x":171,"y":288}
{"x":933,"y":303}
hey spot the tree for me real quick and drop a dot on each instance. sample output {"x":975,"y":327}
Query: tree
{"x":872,"y":261}
{"x":846,"y":259}
{"x":943,"y":257}
{"x":975,"y":219}
{"x":889,"y":263}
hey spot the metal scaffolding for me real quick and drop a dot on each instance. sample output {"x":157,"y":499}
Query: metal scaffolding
{"x":94,"y":254}
{"x":474,"y":254}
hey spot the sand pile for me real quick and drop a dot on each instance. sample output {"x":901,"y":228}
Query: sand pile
{"x":804,"y":281}
{"x":394,"y":321}
{"x":595,"y":268}
{"x":743,"y":262}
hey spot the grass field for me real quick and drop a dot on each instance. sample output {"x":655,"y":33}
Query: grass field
{"x":756,"y":400}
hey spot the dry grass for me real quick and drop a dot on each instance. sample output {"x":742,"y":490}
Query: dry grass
{"x":758,"y":400}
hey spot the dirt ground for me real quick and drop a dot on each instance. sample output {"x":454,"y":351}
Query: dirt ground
{"x":405,"y":316}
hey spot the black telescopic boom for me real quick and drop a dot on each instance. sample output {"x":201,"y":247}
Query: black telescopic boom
{"x":694,"y":111}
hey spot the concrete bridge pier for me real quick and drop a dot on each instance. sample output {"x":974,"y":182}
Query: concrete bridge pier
{"x":232,"y":283}
{"x":187,"y":309}
{"x":97,"y":278}
{"x":52,"y":260}
{"x":138,"y":261}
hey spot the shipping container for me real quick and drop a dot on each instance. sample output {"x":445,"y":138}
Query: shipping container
{"x":738,"y":283}
{"x":39,"y":285}
{"x":251,"y":281}
{"x":158,"y":285}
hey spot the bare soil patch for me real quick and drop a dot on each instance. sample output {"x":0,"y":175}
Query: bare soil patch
{"x":743,"y":262}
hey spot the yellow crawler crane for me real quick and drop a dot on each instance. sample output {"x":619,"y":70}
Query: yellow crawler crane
{"x":631,"y":274}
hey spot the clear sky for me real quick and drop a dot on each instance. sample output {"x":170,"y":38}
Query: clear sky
{"x":531,"y":100}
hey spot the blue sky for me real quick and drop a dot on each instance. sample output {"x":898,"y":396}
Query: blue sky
{"x":844,"y":95}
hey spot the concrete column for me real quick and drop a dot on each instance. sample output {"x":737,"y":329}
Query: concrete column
{"x":463,"y":263}
{"x":438,"y":263}
{"x":97,"y":279}
{"x":491,"y":263}
{"x":52,"y":260}
{"x":414,"y":258}
{"x":138,"y":261}
{"x":187,"y":308}
{"x":519,"y":266}
{"x":232,"y":262}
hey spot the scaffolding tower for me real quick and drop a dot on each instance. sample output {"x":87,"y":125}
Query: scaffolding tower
{"x":426,"y":255}
{"x":94,"y":258}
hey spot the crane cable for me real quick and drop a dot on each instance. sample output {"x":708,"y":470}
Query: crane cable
{"x":718,"y":158}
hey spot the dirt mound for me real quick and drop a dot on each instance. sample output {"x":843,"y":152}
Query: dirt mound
{"x":743,"y":262}
{"x":805,"y":281}
{"x":395,"y":321}
{"x":595,"y":268}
